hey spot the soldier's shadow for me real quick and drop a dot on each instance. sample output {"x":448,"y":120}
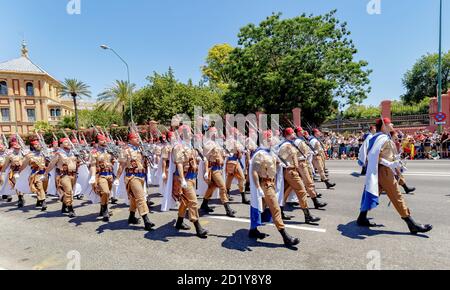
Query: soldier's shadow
{"x":353,"y":231}
{"x":163,"y":233}
{"x":119,"y":225}
{"x":90,"y":218}
{"x":239,"y":241}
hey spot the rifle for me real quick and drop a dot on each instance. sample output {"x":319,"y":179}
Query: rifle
{"x":45,"y":152}
{"x":145,"y":150}
{"x":5,"y":141}
{"x":21,"y":143}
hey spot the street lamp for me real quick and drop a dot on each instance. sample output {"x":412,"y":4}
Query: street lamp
{"x":440,"y":64}
{"x":105,"y":47}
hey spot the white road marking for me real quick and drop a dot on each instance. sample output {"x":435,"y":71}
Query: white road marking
{"x":425,"y":174}
{"x":287,"y":226}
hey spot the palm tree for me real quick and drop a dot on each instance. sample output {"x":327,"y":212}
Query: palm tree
{"x":75,"y":89}
{"x":115,"y":97}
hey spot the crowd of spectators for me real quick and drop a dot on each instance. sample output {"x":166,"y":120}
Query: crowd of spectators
{"x":422,"y":144}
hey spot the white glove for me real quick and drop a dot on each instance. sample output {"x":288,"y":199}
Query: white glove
{"x":184,"y":184}
{"x":16,"y":175}
{"x":116,"y":182}
{"x":92,"y":180}
{"x":260,"y":192}
{"x":41,"y":177}
{"x":206,"y":176}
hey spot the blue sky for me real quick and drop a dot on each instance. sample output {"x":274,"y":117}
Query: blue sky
{"x":155,"y":34}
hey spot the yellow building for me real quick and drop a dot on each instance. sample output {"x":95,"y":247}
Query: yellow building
{"x":28,"y":94}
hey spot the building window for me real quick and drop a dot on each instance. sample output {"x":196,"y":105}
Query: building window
{"x":3,"y":88}
{"x":30,"y":89}
{"x":5,"y":114}
{"x":31,"y":113}
{"x":55,"y":112}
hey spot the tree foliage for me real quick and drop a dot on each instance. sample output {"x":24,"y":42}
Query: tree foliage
{"x":305,"y":61}
{"x":422,"y":79}
{"x":165,"y":97}
{"x":215,"y":69}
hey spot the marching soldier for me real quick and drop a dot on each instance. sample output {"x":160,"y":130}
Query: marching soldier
{"x":214,"y":162}
{"x":292,"y":178}
{"x":134,"y":164}
{"x":400,"y":176}
{"x":102,"y":167}
{"x":319,"y":158}
{"x":264,"y":192}
{"x":184,"y":182}
{"x":234,"y":166}
{"x":251,"y":146}
{"x":14,"y":161}
{"x":37,"y":161}
{"x":382,"y":163}
{"x":66,"y":163}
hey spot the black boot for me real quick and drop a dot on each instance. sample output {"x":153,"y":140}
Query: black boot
{"x":147,"y":223}
{"x":71,"y":212}
{"x":319,"y":195}
{"x":101,"y":211}
{"x":288,"y":240}
{"x":132,"y":220}
{"x":44,"y":205}
{"x":229,"y":195}
{"x":408,"y":190}
{"x":255,"y":234}
{"x":329,"y":184}
{"x":230,"y":212}
{"x":415,"y":228}
{"x":114,"y":200}
{"x":364,"y":171}
{"x":38,"y":203}
{"x":363,"y":221}
{"x":21,"y":202}
{"x":105,"y":213}
{"x":205,"y":206}
{"x":64,"y":208}
{"x":201,"y":232}
{"x":310,"y":218}
{"x":284,"y":216}
{"x":244,"y":198}
{"x":181,"y":225}
{"x":318,"y":204}
{"x":4,"y":197}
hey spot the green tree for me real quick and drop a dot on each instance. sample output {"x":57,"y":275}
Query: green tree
{"x":116,"y":97}
{"x":87,"y":118}
{"x":165,"y":97}
{"x":306,"y":61}
{"x":422,"y":79}
{"x":75,"y":89}
{"x":43,"y":126}
{"x":214,"y":70}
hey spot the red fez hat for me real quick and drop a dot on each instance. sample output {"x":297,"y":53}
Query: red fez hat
{"x":384,"y":120}
{"x":288,"y":131}
{"x":132,"y":136}
{"x":183,"y":128}
{"x":212,"y":130}
{"x":62,"y":140}
{"x":315,"y":131}
{"x":55,"y":143}
{"x":34,"y":142}
{"x":299,"y":129}
{"x":267,"y":134}
{"x":101,"y":137}
{"x":74,"y":140}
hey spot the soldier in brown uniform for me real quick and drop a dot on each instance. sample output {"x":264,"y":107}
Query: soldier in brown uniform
{"x":263,"y":174}
{"x":292,"y":178}
{"x":184,"y":182}
{"x":234,"y":166}
{"x":214,"y":163}
{"x":166,"y":150}
{"x":304,"y":172}
{"x":400,"y":176}
{"x":388,"y":164}
{"x":36,"y":160}
{"x":14,"y":161}
{"x":102,"y":164}
{"x":66,"y":163}
{"x":251,"y":146}
{"x":320,"y":157}
{"x":134,"y":164}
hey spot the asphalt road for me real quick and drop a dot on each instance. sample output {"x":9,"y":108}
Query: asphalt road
{"x":30,"y":239}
